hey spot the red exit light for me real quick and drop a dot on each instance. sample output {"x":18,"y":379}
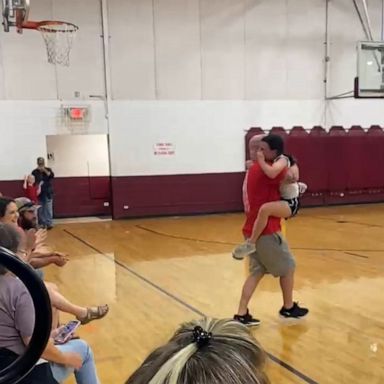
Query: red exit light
{"x":77,"y":113}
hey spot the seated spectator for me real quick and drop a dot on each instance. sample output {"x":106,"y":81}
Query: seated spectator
{"x":207,"y":351}
{"x":42,"y":254}
{"x":17,"y":318}
{"x":27,"y":251}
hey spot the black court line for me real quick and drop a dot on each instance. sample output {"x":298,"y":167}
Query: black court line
{"x":168,"y":235}
{"x":357,"y":255}
{"x":348,"y":222}
{"x":130,"y":270}
{"x":182,"y":237}
{"x":275,"y":359}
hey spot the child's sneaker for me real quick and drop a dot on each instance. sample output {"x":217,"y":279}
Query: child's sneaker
{"x":243,"y":250}
{"x":302,"y":187}
{"x":295,"y":312}
{"x":247,"y":319}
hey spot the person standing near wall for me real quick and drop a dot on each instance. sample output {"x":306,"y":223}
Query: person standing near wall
{"x":44,"y":176}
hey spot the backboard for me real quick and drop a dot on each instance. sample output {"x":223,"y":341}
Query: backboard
{"x":15,"y":13}
{"x":370,"y":69}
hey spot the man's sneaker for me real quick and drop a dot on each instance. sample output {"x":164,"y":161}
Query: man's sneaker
{"x":295,"y":312}
{"x":243,"y":250}
{"x":247,"y":319}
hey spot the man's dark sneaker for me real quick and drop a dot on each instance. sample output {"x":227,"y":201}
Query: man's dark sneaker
{"x":247,"y":319}
{"x":295,"y":312}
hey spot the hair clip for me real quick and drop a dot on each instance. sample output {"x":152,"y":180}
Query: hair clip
{"x":201,"y":337}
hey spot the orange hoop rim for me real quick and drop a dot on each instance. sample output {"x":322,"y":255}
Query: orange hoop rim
{"x":44,"y":26}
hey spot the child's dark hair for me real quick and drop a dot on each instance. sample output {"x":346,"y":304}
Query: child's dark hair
{"x":275,"y":143}
{"x":291,"y":159}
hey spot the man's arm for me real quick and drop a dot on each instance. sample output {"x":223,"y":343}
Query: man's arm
{"x":272,"y":171}
{"x":49,"y":172}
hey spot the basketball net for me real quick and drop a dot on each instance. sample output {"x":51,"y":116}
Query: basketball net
{"x":58,"y":39}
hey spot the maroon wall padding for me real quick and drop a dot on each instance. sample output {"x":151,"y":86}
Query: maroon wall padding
{"x":74,"y":196}
{"x":297,"y":130}
{"x":82,"y":196}
{"x":355,"y":150}
{"x":318,"y":130}
{"x":279,"y":131}
{"x":337,"y":165}
{"x":12,"y":188}
{"x":374,"y":160}
{"x":177,"y":194}
{"x":375,"y":127}
{"x":336,"y":130}
{"x":309,"y":153}
{"x":356,"y":128}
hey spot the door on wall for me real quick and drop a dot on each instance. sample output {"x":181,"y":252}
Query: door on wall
{"x":82,"y":185}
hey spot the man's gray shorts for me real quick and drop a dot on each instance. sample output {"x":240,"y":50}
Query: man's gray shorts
{"x":272,"y":256}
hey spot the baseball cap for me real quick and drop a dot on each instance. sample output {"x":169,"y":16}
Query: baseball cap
{"x":24,"y":204}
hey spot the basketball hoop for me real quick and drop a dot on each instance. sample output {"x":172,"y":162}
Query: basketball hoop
{"x":58,"y":35}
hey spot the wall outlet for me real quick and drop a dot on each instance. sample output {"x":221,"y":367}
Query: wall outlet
{"x":126,"y":207}
{"x":106,"y":203}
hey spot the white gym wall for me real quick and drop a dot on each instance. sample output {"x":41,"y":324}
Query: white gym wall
{"x":196,"y":73}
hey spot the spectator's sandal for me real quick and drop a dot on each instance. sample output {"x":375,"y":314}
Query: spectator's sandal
{"x":94,"y":313}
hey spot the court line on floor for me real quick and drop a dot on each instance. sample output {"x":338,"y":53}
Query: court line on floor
{"x":133,"y":272}
{"x":177,"y":237}
{"x":275,"y":359}
{"x":340,"y":221}
{"x":357,"y":255}
{"x":168,"y":235}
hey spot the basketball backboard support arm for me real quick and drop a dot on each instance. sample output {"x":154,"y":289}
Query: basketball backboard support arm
{"x":367,"y":29}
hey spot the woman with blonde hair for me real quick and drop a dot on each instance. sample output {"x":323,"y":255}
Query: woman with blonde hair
{"x":206,"y":351}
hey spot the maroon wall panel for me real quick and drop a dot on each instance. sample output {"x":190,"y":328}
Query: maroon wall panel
{"x":74,"y":196}
{"x":338,"y":167}
{"x":177,"y":194}
{"x":11,"y":188}
{"x":82,"y":196}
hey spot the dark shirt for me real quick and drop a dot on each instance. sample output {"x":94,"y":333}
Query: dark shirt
{"x":47,"y":187}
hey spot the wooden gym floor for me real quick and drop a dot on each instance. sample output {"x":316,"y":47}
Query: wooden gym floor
{"x":157,"y":273}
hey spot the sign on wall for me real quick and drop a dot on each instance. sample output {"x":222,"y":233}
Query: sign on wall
{"x":164,"y":149}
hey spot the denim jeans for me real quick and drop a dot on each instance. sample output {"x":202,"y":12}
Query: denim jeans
{"x":87,"y":373}
{"x":45,"y":212}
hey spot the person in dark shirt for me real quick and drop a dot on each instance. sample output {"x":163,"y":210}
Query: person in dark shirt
{"x":44,"y":177}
